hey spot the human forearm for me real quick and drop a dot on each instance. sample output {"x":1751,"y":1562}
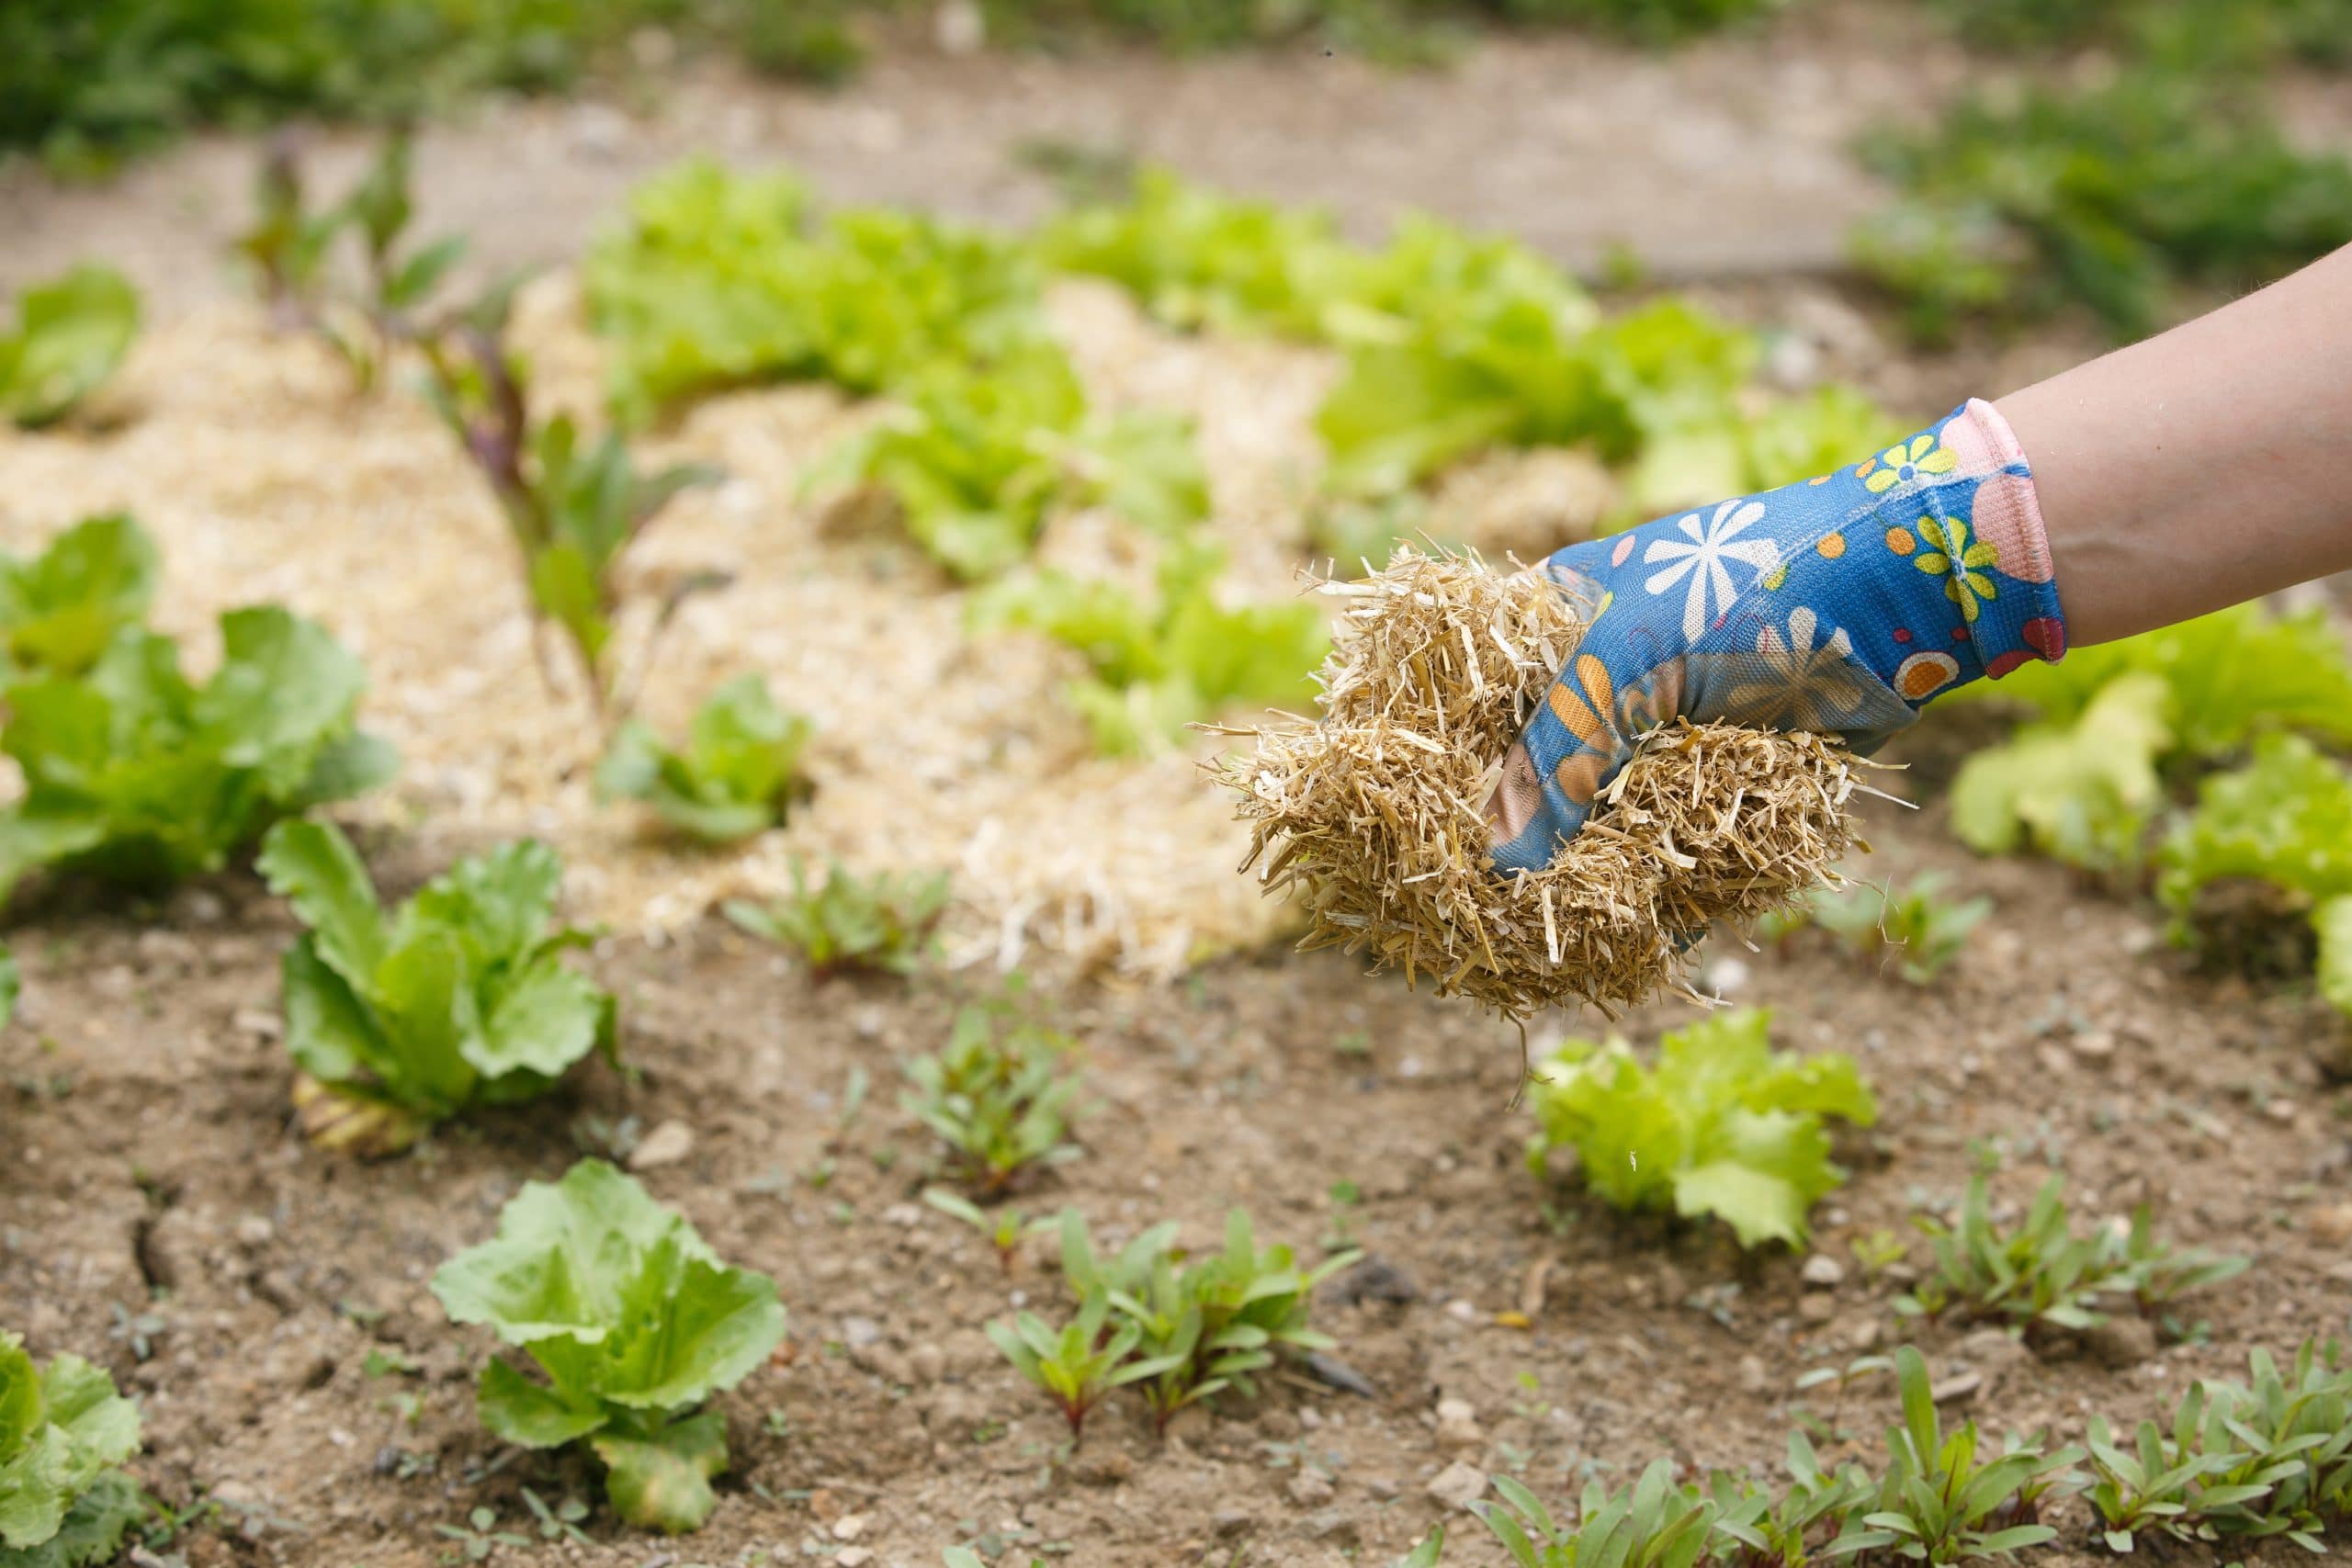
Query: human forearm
{"x":2207,"y":466}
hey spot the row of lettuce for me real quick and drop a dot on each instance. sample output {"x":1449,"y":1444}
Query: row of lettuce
{"x":86,"y":86}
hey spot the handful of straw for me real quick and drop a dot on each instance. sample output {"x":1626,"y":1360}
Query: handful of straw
{"x":1374,"y":814}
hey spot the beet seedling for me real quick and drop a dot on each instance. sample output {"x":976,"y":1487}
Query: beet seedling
{"x":1813,"y":1514}
{"x":848,"y":922}
{"x":997,"y":1096}
{"x":1079,"y":1364}
{"x":572,"y":509}
{"x":291,"y":248}
{"x":1207,"y":1325}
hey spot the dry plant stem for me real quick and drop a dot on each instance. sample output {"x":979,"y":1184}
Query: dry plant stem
{"x":1372,"y":815}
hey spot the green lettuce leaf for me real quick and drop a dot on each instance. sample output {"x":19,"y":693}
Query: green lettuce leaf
{"x":456,"y":998}
{"x":2334,"y":920}
{"x":2082,"y":792}
{"x":1723,"y":1125}
{"x":63,"y":1429}
{"x":70,"y":336}
{"x":634,"y":1321}
{"x":2284,"y":818}
{"x":60,"y":610}
{"x":2228,"y":678}
{"x":735,"y":777}
{"x":1182,"y":656}
{"x":133,"y":774}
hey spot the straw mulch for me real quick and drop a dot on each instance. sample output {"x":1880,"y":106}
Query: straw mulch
{"x":1373,"y":815}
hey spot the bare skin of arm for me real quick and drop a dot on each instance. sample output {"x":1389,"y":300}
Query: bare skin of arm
{"x":2204,"y":466}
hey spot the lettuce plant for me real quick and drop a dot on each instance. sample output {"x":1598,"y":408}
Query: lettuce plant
{"x":572,"y":507}
{"x":70,"y":334}
{"x":60,"y":610}
{"x":847,"y":922}
{"x":1723,"y":1125}
{"x":459,"y":997}
{"x":64,"y":1431}
{"x":634,"y":1323}
{"x":136,"y":775}
{"x":717,"y":278}
{"x":2082,"y":791}
{"x":736,"y":775}
{"x":2285,"y":819}
{"x":1156,"y":666}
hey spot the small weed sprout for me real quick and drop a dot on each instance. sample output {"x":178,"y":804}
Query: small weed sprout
{"x":480,"y":1536}
{"x":2042,"y":1274}
{"x":883,"y":923}
{"x":572,"y":508}
{"x":737,"y":775}
{"x":997,"y":1094}
{"x":1004,"y":1230}
{"x":1926,"y":930}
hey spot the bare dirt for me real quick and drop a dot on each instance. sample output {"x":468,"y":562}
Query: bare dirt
{"x":157,"y":1214}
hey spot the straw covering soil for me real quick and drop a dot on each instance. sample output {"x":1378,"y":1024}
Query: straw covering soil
{"x":1374,"y":815}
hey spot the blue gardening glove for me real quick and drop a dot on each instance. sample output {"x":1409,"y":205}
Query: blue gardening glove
{"x":1838,"y":605}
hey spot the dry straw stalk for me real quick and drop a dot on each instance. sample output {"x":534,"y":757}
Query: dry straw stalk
{"x":1374,"y":815}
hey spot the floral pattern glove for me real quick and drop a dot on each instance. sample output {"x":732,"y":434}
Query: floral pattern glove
{"x":1838,"y":605}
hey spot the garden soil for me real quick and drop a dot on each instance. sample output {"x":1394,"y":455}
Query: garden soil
{"x":157,"y":1214}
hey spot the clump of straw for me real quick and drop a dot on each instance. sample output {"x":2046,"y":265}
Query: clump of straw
{"x":1374,"y":814}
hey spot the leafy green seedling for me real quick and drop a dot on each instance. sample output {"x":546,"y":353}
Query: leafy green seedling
{"x":2271,"y":1457}
{"x":737,"y":775}
{"x":1655,"y":1524}
{"x":2042,"y":1273}
{"x":480,"y":1536}
{"x":1723,"y":1125}
{"x":289,"y":248}
{"x":1819,"y":1511}
{"x":847,"y":922}
{"x":63,"y":1433}
{"x":635,"y":1323}
{"x":1950,"y":1499}
{"x":1926,"y":930}
{"x":60,"y":609}
{"x":11,"y":984}
{"x":1156,"y":667}
{"x":136,"y":775}
{"x":572,"y":508}
{"x":1079,"y":1364}
{"x":70,"y":334}
{"x":456,"y":998}
{"x":997,"y":1095}
{"x":1207,"y":1321}
{"x":1004,"y":1230}
{"x":558,"y":1521}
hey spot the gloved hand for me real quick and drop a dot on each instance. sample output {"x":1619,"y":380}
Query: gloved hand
{"x":1837,"y":605}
